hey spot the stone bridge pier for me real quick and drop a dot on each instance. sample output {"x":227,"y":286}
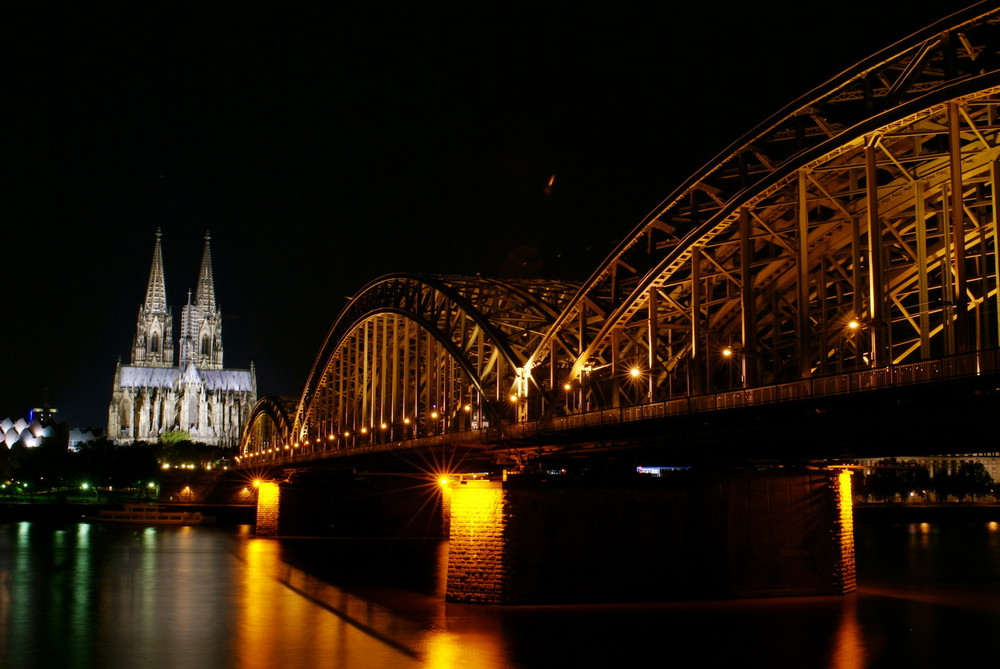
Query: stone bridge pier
{"x":685,"y":535}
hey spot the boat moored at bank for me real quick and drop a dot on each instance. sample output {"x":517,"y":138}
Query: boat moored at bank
{"x":142,"y":514}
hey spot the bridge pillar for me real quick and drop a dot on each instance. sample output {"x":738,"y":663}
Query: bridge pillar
{"x":691,"y":536}
{"x":268,"y":508}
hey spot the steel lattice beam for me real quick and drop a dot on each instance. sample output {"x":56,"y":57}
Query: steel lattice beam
{"x":854,"y":229}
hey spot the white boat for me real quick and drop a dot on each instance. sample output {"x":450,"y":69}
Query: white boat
{"x":142,"y":514}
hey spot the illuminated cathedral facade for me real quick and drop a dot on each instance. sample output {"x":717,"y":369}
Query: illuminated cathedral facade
{"x":184,"y":388}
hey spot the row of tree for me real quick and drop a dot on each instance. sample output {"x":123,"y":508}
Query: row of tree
{"x":892,"y":480}
{"x":101,"y":464}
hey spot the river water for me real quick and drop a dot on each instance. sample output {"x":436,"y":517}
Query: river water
{"x":82,"y":595}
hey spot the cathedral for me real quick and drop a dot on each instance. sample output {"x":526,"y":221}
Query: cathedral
{"x":154,"y":394}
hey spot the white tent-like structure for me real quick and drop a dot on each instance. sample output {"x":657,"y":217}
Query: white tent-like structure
{"x":29,"y":434}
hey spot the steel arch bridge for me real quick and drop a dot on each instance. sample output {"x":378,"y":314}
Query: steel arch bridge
{"x":849,"y":239}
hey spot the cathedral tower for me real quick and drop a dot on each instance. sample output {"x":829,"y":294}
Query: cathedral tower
{"x":201,"y":322}
{"x":153,"y":345}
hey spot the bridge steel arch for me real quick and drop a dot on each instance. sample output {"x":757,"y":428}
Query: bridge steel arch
{"x":269,"y":425}
{"x":413,"y":356}
{"x":855,"y":228}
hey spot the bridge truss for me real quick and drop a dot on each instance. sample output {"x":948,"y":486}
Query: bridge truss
{"x":854,"y":229}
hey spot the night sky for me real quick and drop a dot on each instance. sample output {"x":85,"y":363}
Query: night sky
{"x":323,"y":148}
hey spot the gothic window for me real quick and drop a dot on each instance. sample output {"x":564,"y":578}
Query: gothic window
{"x":123,"y":414}
{"x":154,"y":343}
{"x":193,"y":409}
{"x":206,"y":346}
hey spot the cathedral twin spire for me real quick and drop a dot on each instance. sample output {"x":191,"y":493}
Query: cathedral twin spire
{"x":201,"y":321}
{"x":192,"y":392}
{"x":156,"y":292}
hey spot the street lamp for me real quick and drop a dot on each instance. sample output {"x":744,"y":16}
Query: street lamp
{"x":850,"y":339}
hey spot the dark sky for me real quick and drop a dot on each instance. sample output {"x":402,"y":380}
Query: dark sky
{"x":326,"y":147}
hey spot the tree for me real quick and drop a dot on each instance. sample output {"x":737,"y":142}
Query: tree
{"x":892,"y":477}
{"x":171,"y":437}
{"x":972,"y":479}
{"x":942,"y":484}
{"x":103,"y":463}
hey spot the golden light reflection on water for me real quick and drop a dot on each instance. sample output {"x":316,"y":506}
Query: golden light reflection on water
{"x":449,"y":650}
{"x":275,"y":625}
{"x":849,"y":645}
{"x":92,"y":596}
{"x":283,"y":612}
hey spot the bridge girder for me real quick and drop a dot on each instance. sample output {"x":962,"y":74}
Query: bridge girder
{"x":855,"y":228}
{"x":837,"y":210}
{"x":269,"y":425}
{"x":412,"y":356}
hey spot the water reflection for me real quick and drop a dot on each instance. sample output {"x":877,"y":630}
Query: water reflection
{"x":848,"y":646}
{"x":274,"y":625}
{"x":91,"y":596}
{"x":418,"y":632}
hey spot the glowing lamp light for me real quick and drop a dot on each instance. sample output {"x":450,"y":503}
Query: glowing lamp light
{"x":406,"y":421}
{"x":384,"y":426}
{"x":256,"y":483}
{"x":634,"y":372}
{"x":468,"y":407}
{"x":364,"y":430}
{"x":434,"y":415}
{"x":513,"y":398}
{"x":567,"y":387}
{"x":347,"y":434}
{"x":727,"y":352}
{"x":443,"y":481}
{"x":853,"y":324}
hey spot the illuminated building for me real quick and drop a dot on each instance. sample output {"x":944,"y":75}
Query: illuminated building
{"x":196,"y":395}
{"x":29,"y":434}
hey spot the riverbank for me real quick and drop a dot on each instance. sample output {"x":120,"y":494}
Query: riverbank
{"x":236,"y":514}
{"x":70,"y":512}
{"x":926,"y":513}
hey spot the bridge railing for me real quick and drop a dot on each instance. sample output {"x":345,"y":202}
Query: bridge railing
{"x":941,"y":369}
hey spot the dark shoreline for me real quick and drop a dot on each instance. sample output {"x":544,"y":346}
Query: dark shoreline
{"x":54,"y":512}
{"x":926,"y":513}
